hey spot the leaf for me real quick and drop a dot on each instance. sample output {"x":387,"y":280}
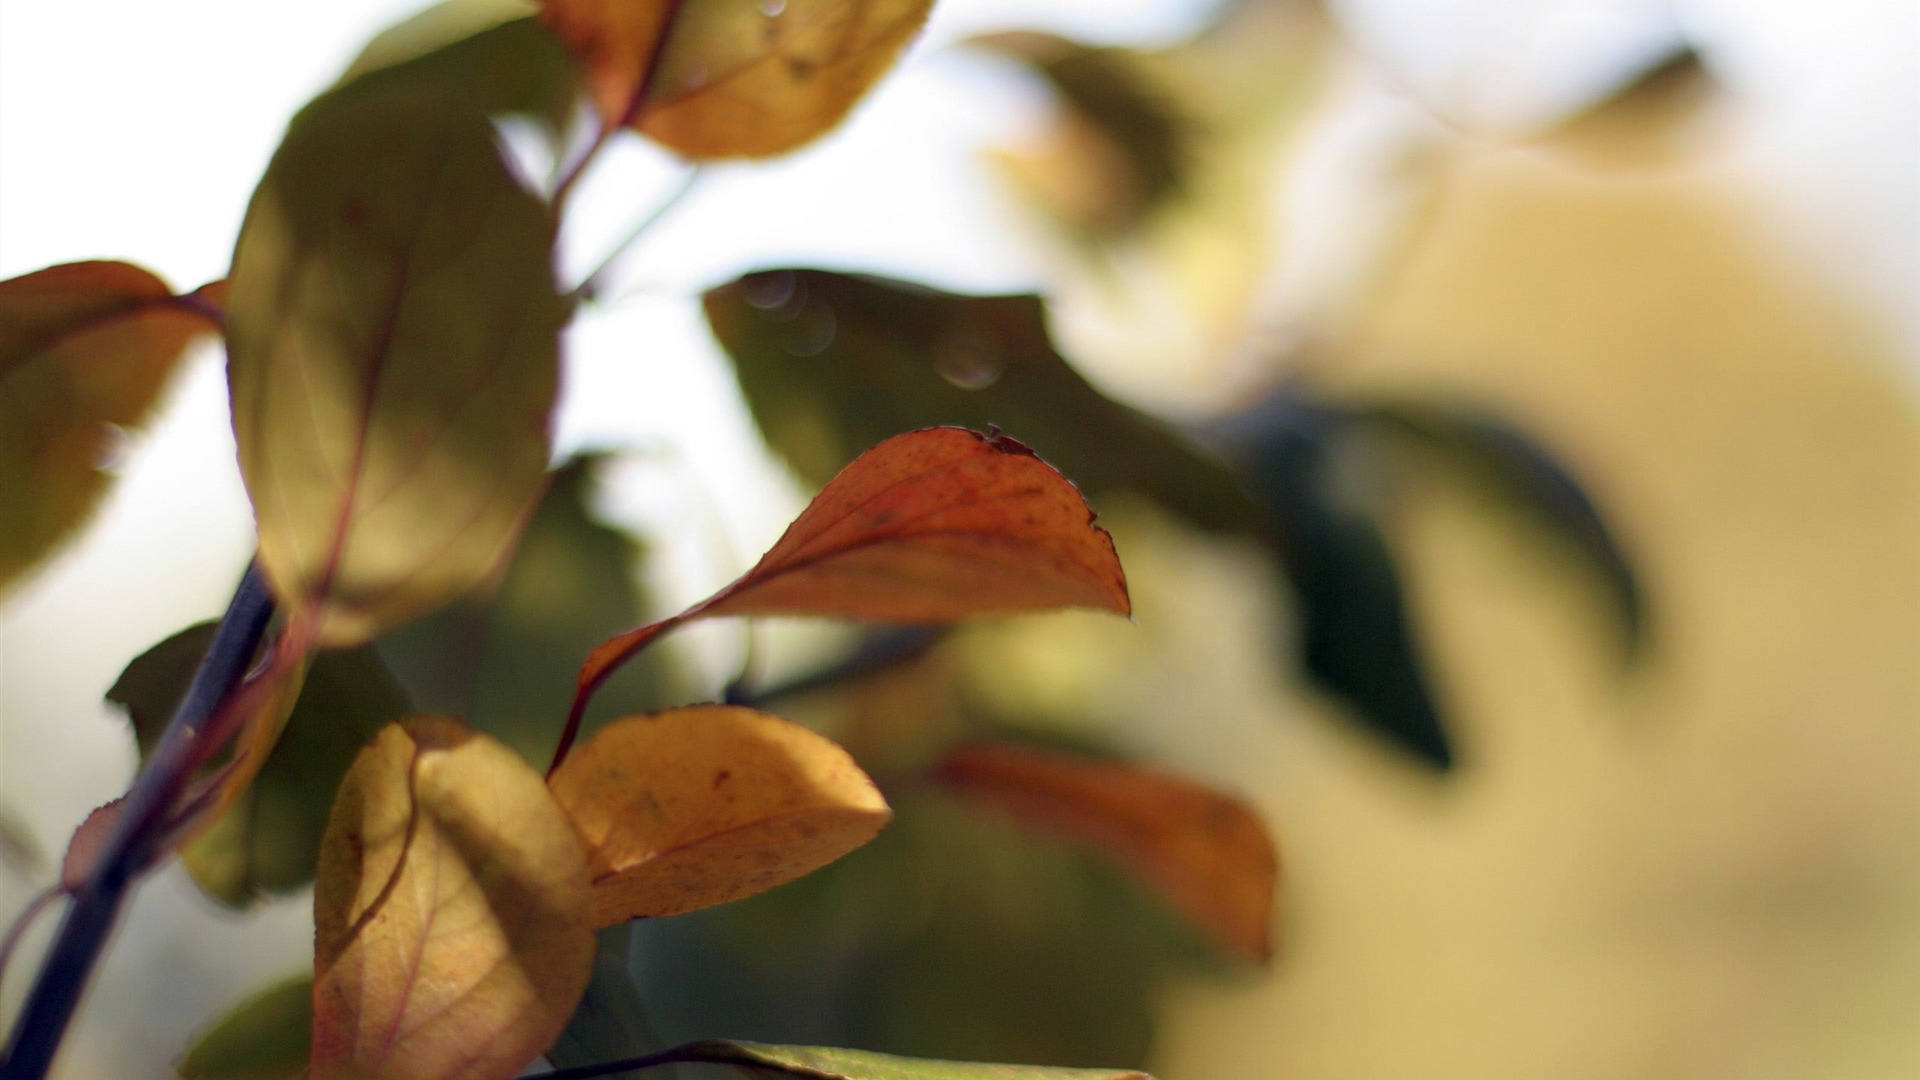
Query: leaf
{"x":505,"y":660}
{"x":450,"y":911}
{"x":488,"y":56}
{"x":269,"y":839}
{"x":1650,"y":119}
{"x":929,"y":526}
{"x":829,"y":1063}
{"x":733,"y":78}
{"x":1142,"y":143}
{"x":831,"y":363}
{"x":88,"y":842}
{"x":611,"y":1023}
{"x":1529,"y":477}
{"x":18,"y":849}
{"x":393,"y":341}
{"x":85,"y":349}
{"x":697,"y":806}
{"x":1356,"y":638}
{"x":263,"y":1038}
{"x":1206,"y":853}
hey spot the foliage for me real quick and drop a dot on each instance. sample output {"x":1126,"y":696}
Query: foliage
{"x":393,"y":328}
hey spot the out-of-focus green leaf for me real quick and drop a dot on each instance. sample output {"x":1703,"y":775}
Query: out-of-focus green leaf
{"x":263,"y":1038}
{"x":18,"y":849}
{"x":1355,"y":637}
{"x":1110,"y":93}
{"x":508,"y":661}
{"x":832,"y":1063}
{"x":834,"y":363}
{"x":954,"y":934}
{"x":269,"y":839}
{"x":394,"y":340}
{"x":85,"y":349}
{"x":1524,"y":473}
{"x":491,"y":56}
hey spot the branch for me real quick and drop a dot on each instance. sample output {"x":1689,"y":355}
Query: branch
{"x":132,"y":848}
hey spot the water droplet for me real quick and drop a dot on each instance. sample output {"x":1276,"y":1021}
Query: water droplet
{"x":772,"y":9}
{"x":773,"y":289}
{"x":969,"y":359}
{"x":812,"y":331}
{"x":695,"y":78}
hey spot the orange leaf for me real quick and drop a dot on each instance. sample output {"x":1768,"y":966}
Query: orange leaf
{"x":733,"y":78}
{"x":1207,"y":854}
{"x":450,"y":912}
{"x":698,"y":806}
{"x":89,"y":840}
{"x":930,"y":526}
{"x":84,"y":347}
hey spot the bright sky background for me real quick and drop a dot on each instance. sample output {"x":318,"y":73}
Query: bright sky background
{"x":136,"y":130}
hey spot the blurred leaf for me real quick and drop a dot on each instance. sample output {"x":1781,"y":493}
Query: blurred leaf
{"x":393,"y":342}
{"x":831,"y":363}
{"x":1206,"y":853}
{"x":507,"y":660}
{"x":611,"y":1023}
{"x":1355,"y":636}
{"x":85,"y":349}
{"x":954,"y":934}
{"x":450,"y":912}
{"x":18,"y":849}
{"x":269,"y":839}
{"x":263,"y":1038}
{"x":1147,"y":142}
{"x":1523,"y":472}
{"x":1645,"y":121}
{"x":829,"y":1063}
{"x":705,"y":804}
{"x":933,"y":525}
{"x":733,"y":78}
{"x":489,"y":56}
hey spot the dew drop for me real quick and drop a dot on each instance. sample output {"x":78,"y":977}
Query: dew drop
{"x":969,"y":359}
{"x":773,"y":9}
{"x":812,"y":331}
{"x":773,"y":289}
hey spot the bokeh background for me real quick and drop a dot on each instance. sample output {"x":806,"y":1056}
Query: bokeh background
{"x":1704,"y":301}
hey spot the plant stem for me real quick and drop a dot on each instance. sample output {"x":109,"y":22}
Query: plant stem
{"x":590,"y":285}
{"x":89,"y":920}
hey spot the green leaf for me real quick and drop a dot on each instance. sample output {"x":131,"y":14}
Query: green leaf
{"x":834,"y":363}
{"x":490,"y":56}
{"x":264,"y":1038}
{"x":269,"y":839}
{"x":508,"y":661}
{"x":1515,"y":467}
{"x":611,"y":1023}
{"x":85,"y":348}
{"x":394,"y":344}
{"x":829,"y":1063}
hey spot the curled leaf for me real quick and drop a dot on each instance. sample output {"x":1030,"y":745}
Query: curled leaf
{"x":85,"y":349}
{"x":1206,"y":853}
{"x":394,"y":342}
{"x":733,"y":78}
{"x":930,"y":526}
{"x":450,"y":910}
{"x":701,"y":805}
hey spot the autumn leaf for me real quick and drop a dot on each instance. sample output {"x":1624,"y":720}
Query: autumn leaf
{"x":929,"y":526}
{"x":394,"y":341}
{"x":268,"y":840}
{"x":89,"y":840}
{"x":831,"y":1063}
{"x":733,"y":78}
{"x":701,"y":805}
{"x":263,"y":1038}
{"x":85,"y":348}
{"x":451,"y":936}
{"x":1206,"y":853}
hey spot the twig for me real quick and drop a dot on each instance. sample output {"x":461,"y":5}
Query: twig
{"x":89,"y":920}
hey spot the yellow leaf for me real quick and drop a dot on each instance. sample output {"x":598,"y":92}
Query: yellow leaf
{"x":733,"y":78}
{"x":451,"y":936}
{"x":698,"y":806}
